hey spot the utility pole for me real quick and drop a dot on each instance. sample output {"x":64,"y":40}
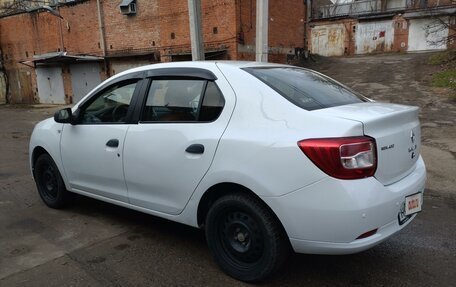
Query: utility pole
{"x":262,"y":30}
{"x":196,"y":36}
{"x":307,"y":26}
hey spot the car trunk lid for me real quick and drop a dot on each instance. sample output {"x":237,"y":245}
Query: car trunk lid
{"x":396,"y":130}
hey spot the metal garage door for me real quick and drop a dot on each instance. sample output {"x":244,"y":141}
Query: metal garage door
{"x":50,"y":85}
{"x":374,"y":37}
{"x":120,"y":66}
{"x":84,"y":77}
{"x":427,"y":34}
{"x":328,"y":40}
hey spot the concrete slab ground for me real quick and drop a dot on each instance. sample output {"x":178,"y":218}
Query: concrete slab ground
{"x":97,"y":244}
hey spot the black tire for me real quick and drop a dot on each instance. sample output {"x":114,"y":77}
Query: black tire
{"x":245,"y":238}
{"x":50,"y":183}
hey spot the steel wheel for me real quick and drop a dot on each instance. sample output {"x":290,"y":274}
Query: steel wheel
{"x":49,"y":182}
{"x":242,"y":237}
{"x":245,"y":238}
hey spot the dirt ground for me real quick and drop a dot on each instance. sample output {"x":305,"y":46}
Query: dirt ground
{"x":97,"y":244}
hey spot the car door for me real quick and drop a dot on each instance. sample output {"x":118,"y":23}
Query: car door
{"x":172,"y":147}
{"x":91,"y":149}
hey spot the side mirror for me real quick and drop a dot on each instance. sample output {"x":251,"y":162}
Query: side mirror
{"x":63,"y":116}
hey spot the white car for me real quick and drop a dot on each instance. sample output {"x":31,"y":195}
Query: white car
{"x":266,"y":158}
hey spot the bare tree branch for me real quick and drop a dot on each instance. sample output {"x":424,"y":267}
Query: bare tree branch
{"x":17,"y":6}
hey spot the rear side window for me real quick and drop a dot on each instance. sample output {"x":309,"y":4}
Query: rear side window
{"x":178,"y":100}
{"x":213,"y":103}
{"x":306,"y":89}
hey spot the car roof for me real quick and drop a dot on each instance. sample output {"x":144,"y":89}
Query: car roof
{"x":199,"y":64}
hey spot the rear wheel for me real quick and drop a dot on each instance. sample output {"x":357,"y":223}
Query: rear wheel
{"x":245,"y":238}
{"x":50,"y":183}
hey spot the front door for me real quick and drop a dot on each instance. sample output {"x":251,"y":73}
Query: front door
{"x":172,"y":147}
{"x":92,"y":148}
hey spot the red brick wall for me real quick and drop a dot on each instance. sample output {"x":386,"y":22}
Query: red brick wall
{"x":286,"y":23}
{"x":129,"y":32}
{"x":155,"y":21}
{"x":21,"y":37}
{"x":452,"y":33}
{"x":28,"y":34}
{"x":173,"y":18}
{"x":286,"y":28}
{"x":83,"y":35}
{"x":25,"y":35}
{"x":401,"y":31}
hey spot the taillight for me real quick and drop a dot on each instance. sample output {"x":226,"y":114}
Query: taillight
{"x":344,"y":158}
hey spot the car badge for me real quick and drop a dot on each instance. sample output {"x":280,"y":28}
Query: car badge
{"x":413,"y":147}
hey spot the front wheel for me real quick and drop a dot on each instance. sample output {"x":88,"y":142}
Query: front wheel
{"x":245,"y":238}
{"x":50,"y":183}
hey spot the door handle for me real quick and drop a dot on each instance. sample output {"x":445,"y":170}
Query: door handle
{"x":195,"y":148}
{"x":112,"y":143}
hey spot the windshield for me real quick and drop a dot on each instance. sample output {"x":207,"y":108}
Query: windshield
{"x":306,"y":89}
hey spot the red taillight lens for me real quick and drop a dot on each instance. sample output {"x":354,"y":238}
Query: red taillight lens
{"x":344,"y":158}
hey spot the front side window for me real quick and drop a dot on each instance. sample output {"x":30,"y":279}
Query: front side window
{"x":178,"y":100}
{"x":111,"y":105}
{"x":306,"y":89}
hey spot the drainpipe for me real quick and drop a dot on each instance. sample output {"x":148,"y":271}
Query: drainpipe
{"x":102,"y":36}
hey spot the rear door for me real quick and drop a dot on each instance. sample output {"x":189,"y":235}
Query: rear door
{"x":167,"y":154}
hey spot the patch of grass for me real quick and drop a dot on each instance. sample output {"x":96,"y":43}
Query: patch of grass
{"x":442,"y":57}
{"x":445,"y":79}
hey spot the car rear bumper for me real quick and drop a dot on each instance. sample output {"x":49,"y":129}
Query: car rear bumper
{"x":328,"y":216}
{"x":358,"y":245}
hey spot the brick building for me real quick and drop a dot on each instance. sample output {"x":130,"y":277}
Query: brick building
{"x":371,"y":26}
{"x":58,"y":56}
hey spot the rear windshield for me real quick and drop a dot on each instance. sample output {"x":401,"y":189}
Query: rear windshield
{"x":306,"y":89}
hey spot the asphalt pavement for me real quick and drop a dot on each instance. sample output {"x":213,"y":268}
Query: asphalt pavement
{"x":97,"y":244}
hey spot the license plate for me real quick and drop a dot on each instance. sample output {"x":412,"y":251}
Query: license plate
{"x":413,"y":203}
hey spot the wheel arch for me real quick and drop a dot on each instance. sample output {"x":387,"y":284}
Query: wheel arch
{"x":218,"y":190}
{"x":37,"y":151}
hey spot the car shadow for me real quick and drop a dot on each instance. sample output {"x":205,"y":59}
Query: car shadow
{"x":385,"y":264}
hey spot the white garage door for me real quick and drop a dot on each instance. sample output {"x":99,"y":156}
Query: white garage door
{"x":328,"y":40}
{"x":374,"y":37}
{"x":50,"y":85}
{"x":120,"y":66}
{"x":427,"y":34}
{"x":84,"y":77}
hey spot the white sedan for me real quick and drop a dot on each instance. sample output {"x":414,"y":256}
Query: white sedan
{"x":266,"y":158}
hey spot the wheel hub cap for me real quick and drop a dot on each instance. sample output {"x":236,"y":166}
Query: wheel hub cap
{"x":242,"y":237}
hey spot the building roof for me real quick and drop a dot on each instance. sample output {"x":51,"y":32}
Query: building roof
{"x":59,"y":58}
